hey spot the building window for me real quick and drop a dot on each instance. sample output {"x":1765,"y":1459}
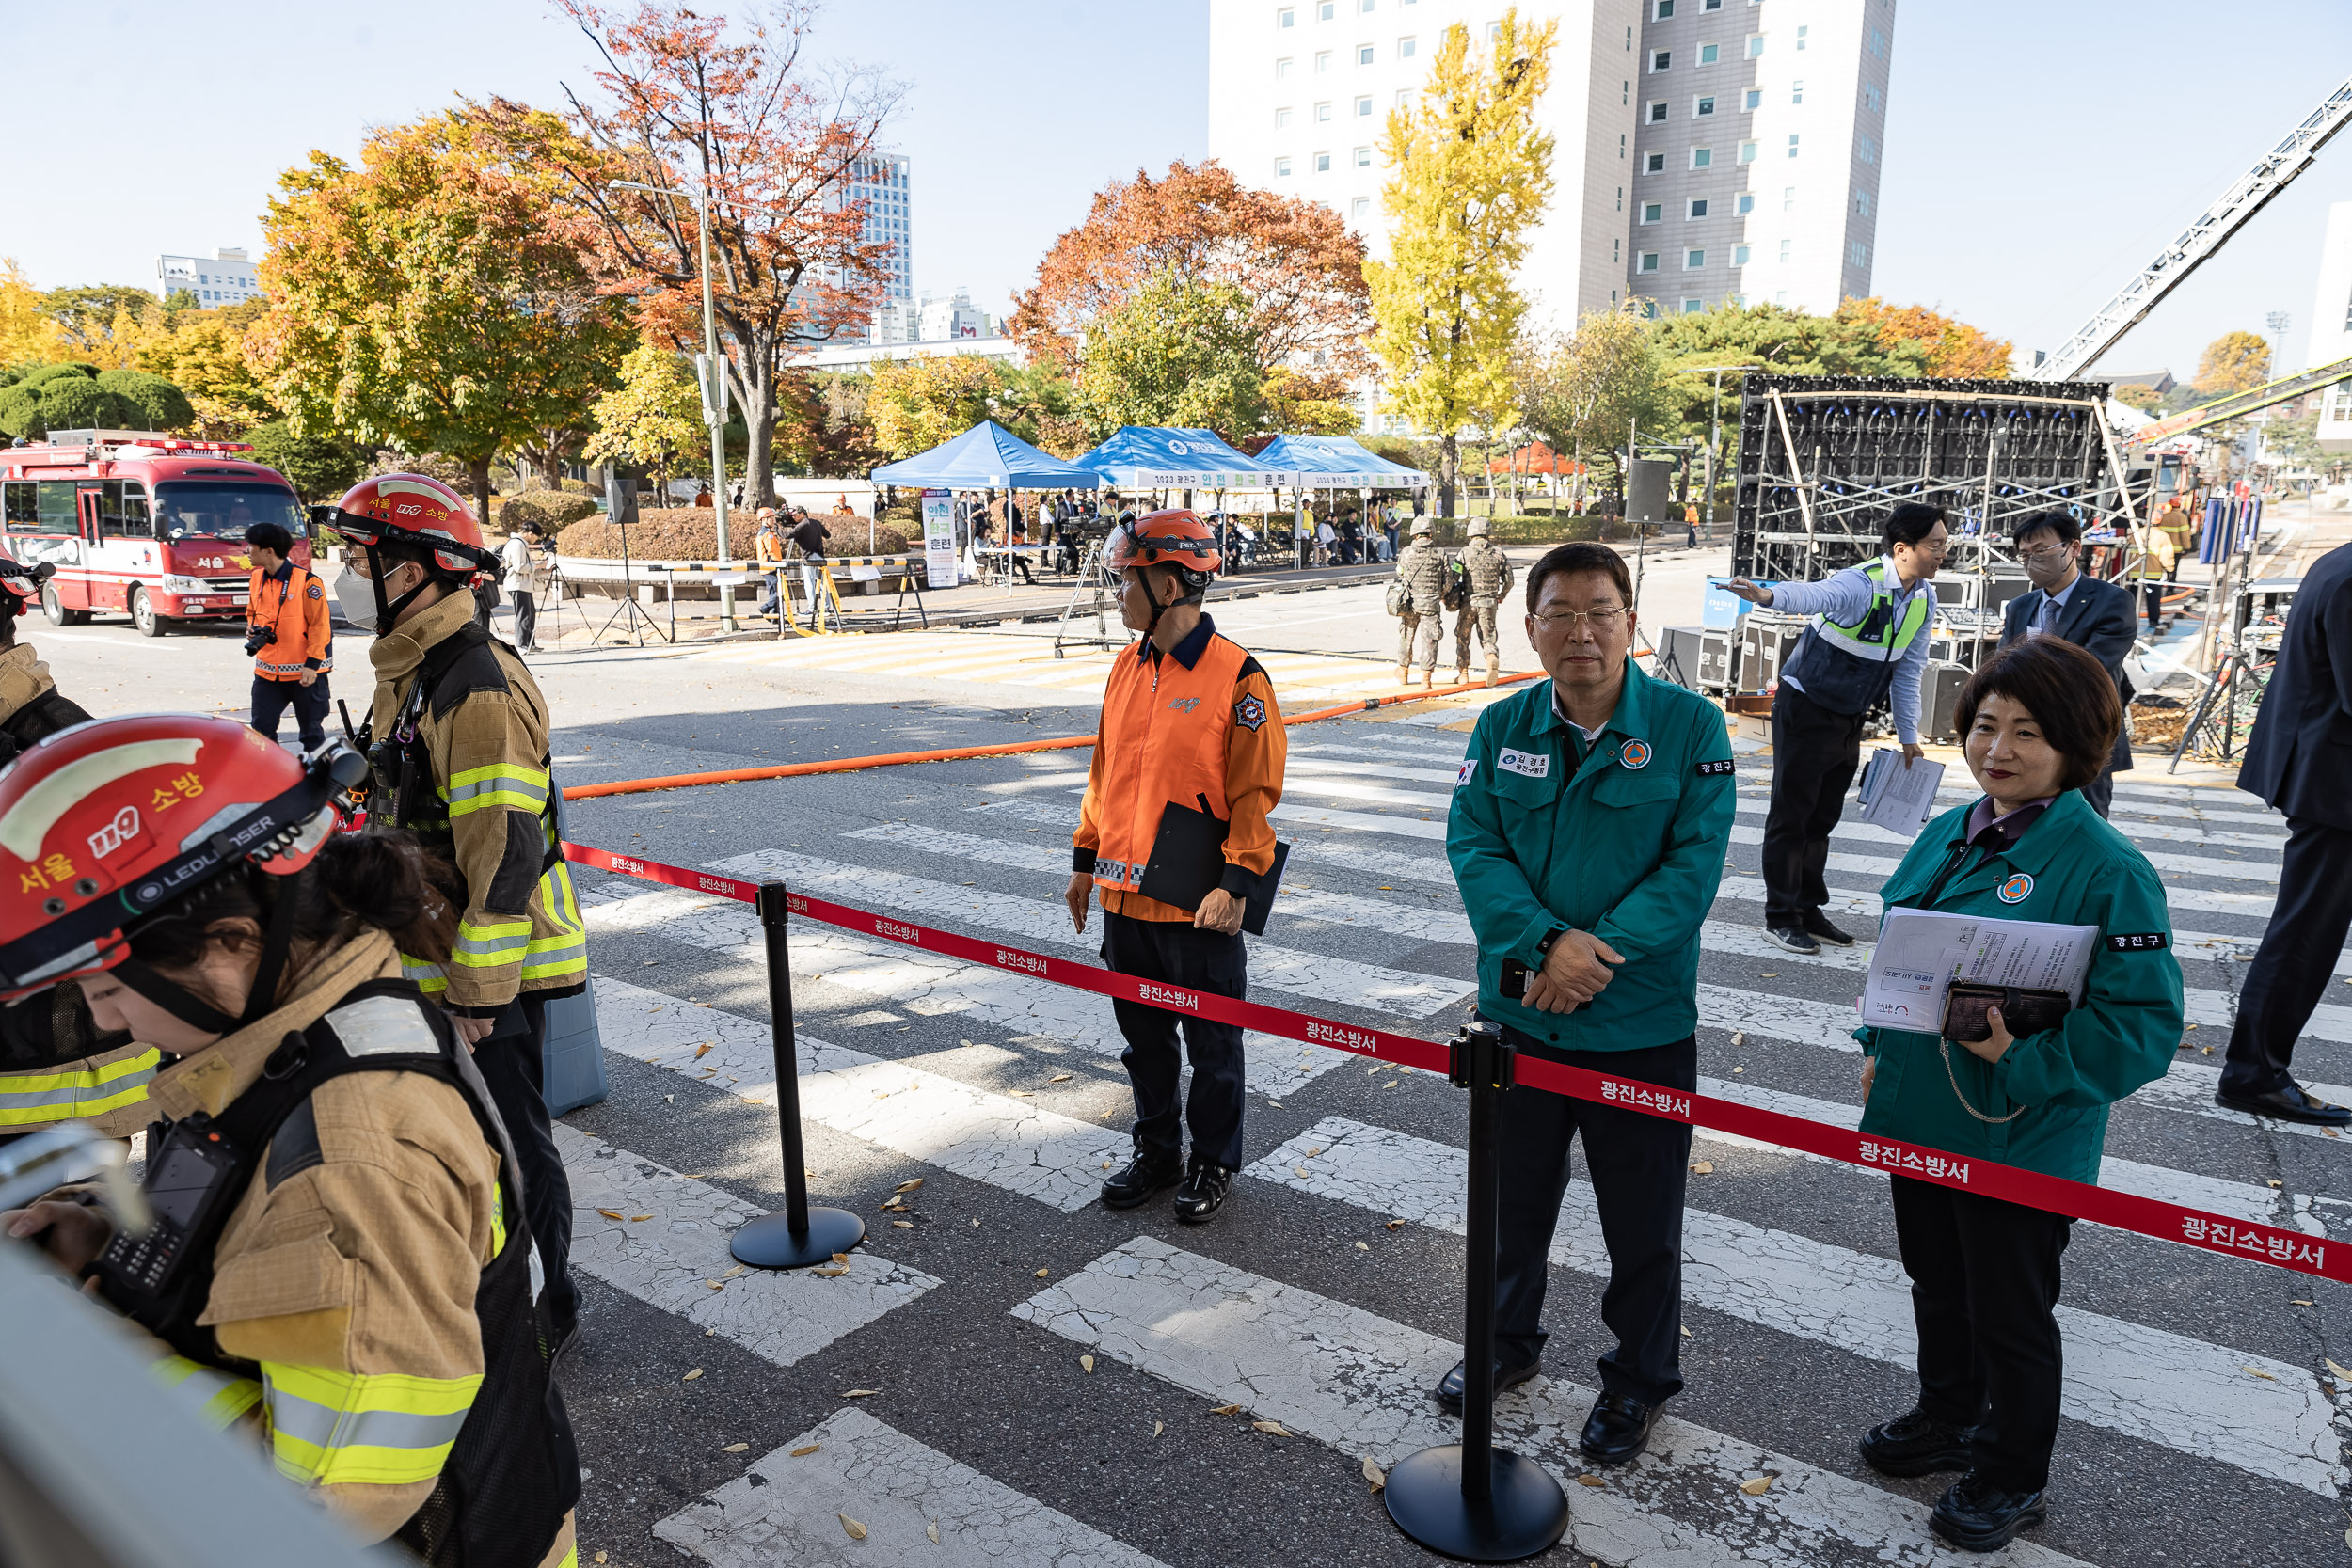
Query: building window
{"x":1653,"y":163}
{"x":1694,"y":259}
{"x":1363,"y":157}
{"x":1661,"y":59}
{"x":1711,"y":5}
{"x":1709,"y":52}
{"x":1866,"y":150}
{"x":1858,"y":254}
{"x":1402,"y":93}
{"x":1364,"y":5}
{"x":1701,"y":109}
{"x":1658,"y":112}
{"x":1323,"y":61}
{"x":1877,"y":44}
{"x":1746,"y":203}
{"x":1363,"y":53}
{"x":1784,"y":249}
{"x":1692,"y":306}
{"x":1281,"y":120}
{"x":1781,"y":298}
{"x":1364,"y":108}
{"x":1789,"y":199}
{"x":1752,"y":100}
{"x":1738,"y":302}
{"x":1653,"y":211}
{"x":1747,"y":151}
{"x":1801,"y":33}
{"x":1281,"y":168}
{"x":1649,"y":260}
{"x":1793,"y":143}
{"x":1649,"y":309}
{"x":1621,"y":208}
{"x":1617,"y":248}
{"x":1701,"y":157}
{"x":1323,"y":11}
{"x":1323,"y":163}
{"x":1698,"y":207}
{"x":1871,"y":97}
{"x":1796,"y":91}
{"x":1862,"y":203}
{"x":1739,"y":254}
{"x":1281,"y":71}
{"x":1661,"y":9}
{"x":1322,"y":114}
{"x":1286,"y":18}
{"x":1360,"y":209}
{"x":1407,"y":49}
{"x":1755,"y":45}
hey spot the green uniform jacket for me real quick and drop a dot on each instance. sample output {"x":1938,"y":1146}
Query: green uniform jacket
{"x":2073,"y":869}
{"x":1630,"y":849}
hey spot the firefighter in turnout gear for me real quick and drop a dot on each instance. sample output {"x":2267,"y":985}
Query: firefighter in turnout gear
{"x":335,"y":1263}
{"x":459,"y":754}
{"x":55,"y":1064}
{"x":1420,"y":573}
{"x":1490,"y":573}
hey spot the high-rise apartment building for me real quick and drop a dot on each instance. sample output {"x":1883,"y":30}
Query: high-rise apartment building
{"x":1704,"y":149}
{"x":880,"y":182}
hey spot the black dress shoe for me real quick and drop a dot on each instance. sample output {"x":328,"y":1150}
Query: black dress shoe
{"x":1817,"y":924}
{"x":1794,"y":938}
{"x":2289,"y":1103}
{"x":1977,"y":1516}
{"x":1917,"y":1444}
{"x":1448,"y":1390}
{"x":1203,"y":1191}
{"x":1617,"y":1430}
{"x":1140,"y":1179}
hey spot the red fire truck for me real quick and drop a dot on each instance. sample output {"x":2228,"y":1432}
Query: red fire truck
{"x":140,"y":524}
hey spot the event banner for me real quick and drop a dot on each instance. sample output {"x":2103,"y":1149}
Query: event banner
{"x":939,"y":538}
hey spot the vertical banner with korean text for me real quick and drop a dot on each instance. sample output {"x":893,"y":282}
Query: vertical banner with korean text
{"x":939,"y":538}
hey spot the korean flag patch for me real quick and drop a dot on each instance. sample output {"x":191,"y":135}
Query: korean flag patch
{"x":1469,"y":772}
{"x":1250,"y":713}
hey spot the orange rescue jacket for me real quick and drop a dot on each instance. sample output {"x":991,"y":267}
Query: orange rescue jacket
{"x":1199,"y":721}
{"x":297,"y":607}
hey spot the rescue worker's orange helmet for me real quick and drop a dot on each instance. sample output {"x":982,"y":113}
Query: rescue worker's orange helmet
{"x":1173,"y":538}
{"x":413,"y":510}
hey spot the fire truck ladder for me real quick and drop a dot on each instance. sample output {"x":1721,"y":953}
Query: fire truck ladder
{"x":2272,"y":173}
{"x":2238,"y":404}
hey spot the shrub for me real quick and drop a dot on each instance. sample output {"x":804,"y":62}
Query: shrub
{"x":40,"y":375}
{"x":691,"y":533}
{"x":20,"y":412}
{"x":553,"y":511}
{"x":160,"y":406}
{"x":77,"y":402}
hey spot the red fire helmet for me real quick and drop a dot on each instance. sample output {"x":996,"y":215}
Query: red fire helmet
{"x":411,"y":509}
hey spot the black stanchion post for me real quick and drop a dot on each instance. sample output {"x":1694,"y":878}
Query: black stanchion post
{"x":800,"y":1235}
{"x":1471,"y":1500}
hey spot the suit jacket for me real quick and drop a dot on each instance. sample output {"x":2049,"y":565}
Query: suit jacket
{"x":2299,"y":757}
{"x":2099,"y":618}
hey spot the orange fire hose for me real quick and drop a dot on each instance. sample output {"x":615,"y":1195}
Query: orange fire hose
{"x":963,"y":753}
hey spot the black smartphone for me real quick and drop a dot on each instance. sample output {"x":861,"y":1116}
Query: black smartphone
{"x":1515,"y":979}
{"x":2024,"y":1012}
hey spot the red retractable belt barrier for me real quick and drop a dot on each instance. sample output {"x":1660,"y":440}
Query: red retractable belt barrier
{"x":2144,"y":1217}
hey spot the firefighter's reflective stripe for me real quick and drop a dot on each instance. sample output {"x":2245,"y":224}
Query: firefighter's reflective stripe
{"x":498,"y":1219}
{"x":564,"y":951}
{"x":499,"y":784}
{"x":490,"y":946}
{"x":386,"y":1429}
{"x":430,"y":978}
{"x":88,"y":1087}
{"x":218,"y":1398}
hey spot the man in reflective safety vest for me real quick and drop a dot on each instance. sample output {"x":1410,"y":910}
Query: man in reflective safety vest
{"x":288,"y":637}
{"x":459,"y":752}
{"x":1189,"y":723}
{"x":1867,"y":643}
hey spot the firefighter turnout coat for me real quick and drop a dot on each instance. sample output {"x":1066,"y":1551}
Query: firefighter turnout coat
{"x":292,"y":602}
{"x":460,"y":758}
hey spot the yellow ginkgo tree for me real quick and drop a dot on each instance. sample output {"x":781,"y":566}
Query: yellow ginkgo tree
{"x":1470,"y":172}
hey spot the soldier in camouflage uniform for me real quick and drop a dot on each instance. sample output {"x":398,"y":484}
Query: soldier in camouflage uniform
{"x":1421,"y":567}
{"x":1489,"y":580}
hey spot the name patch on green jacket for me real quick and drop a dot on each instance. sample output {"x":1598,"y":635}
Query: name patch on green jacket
{"x":1527,"y":764}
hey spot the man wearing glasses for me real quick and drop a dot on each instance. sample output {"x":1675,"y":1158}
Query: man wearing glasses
{"x":1868,"y":640}
{"x":2097,"y":617}
{"x":1588,"y":828}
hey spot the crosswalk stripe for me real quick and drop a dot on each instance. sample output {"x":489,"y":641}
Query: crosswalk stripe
{"x":1432,"y":869}
{"x":786,"y":1509}
{"x":924,"y":983}
{"x":1360,"y":1383}
{"x":2188,"y":945}
{"x":2209,"y":900}
{"x":1871,"y":833}
{"x":670,"y":1249}
{"x":2147,"y":1382}
{"x":1312,"y":975}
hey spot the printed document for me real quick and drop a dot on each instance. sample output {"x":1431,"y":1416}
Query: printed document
{"x":1899,"y":799}
{"x":1921,"y":952}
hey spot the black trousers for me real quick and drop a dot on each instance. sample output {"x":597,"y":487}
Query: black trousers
{"x":1815,"y":752}
{"x":1984,"y":1282}
{"x":2098,"y":794}
{"x":2153,"y":594}
{"x":310,"y":703}
{"x":1180,"y":954}
{"x":526,"y":618}
{"x":1638,"y":1166}
{"x":2298,"y":960}
{"x":512,"y":1060}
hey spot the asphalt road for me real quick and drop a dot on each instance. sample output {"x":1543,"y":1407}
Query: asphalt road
{"x":2204,"y":1427}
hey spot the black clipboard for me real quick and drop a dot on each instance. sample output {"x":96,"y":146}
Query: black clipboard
{"x":1189,"y":859}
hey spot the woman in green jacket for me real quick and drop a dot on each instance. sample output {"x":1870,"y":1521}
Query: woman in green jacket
{"x":2038,"y":722}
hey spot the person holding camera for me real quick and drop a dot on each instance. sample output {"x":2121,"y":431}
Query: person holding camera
{"x":1588,"y":830}
{"x":288,"y":636}
{"x":2037,"y":723}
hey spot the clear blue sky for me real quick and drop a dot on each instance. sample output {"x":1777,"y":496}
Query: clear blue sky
{"x":2036,"y":153}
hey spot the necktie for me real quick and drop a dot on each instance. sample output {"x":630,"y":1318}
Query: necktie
{"x":2049,"y":615}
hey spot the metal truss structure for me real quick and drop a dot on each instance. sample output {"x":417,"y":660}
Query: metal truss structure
{"x":2237,"y":405}
{"x":2205,"y":233}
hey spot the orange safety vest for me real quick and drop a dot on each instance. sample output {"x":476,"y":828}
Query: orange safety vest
{"x":1163,"y":740}
{"x":297,"y":609}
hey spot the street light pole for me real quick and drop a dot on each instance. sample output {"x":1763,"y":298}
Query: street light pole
{"x":714,"y":408}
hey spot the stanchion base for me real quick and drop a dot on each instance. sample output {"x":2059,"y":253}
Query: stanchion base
{"x":1526,"y":1515}
{"x":768,"y":1242}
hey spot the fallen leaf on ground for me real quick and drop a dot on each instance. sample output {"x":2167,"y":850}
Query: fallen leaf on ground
{"x":1021,"y":1094}
{"x":735,"y":1448}
{"x":1739,"y":1036}
{"x":1272,"y":1429}
{"x":1059,"y":1078}
{"x":856,"y":1530}
{"x":1362,"y":1247}
{"x":639,"y":1219}
{"x":1389,"y":1084}
{"x":1088,"y":1362}
{"x":701,"y":1050}
{"x":1226,"y":1410}
{"x":1312,"y":1152}
{"x":610,"y":1213}
{"x":1590,"y":1481}
{"x":716,"y":1284}
{"x":902,"y":1225}
{"x":1302,"y":1170}
{"x":861,"y":1393}
{"x":1757,"y":1487}
{"x":692,"y":1376}
{"x":1686,"y":1331}
{"x":2257,"y":1371}
{"x":2342,"y":1372}
{"x":1376,"y":1476}
{"x":1158,"y":1427}
{"x":1039,"y":1274}
{"x":1768,"y":975}
{"x":831,"y":1274}
{"x":804,"y":1450}
{"x":1703,"y":1168}
{"x":908,"y":1186}
{"x":600,"y":1555}
{"x":932,"y":1530}
{"x":739,"y":1269}
{"x":1395,"y":1224}
{"x":2276,"y":1182}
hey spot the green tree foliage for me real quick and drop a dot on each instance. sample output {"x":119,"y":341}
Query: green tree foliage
{"x":1471,"y":176}
{"x":1176,"y":351}
{"x":1583,"y":393}
{"x":914,"y":404}
{"x":79,"y":396}
{"x":320,"y":467}
{"x":2134,"y":395}
{"x":157,"y":404}
{"x":2234,"y":362}
{"x":203,"y":353}
{"x":653,"y":418}
{"x":91,"y":318}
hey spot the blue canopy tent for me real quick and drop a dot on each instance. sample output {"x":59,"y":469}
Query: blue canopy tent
{"x":989,"y":457}
{"x":1148,"y":457}
{"x":1338,"y":463}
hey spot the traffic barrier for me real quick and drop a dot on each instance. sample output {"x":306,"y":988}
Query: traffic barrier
{"x":964,"y":753}
{"x":2143,"y":1216}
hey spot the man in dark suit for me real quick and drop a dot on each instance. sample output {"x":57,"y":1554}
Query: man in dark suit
{"x":2097,"y":617}
{"x":2300,"y":759}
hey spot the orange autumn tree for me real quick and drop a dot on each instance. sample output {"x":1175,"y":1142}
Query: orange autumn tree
{"x":1954,"y":348}
{"x":693,"y":103}
{"x":1297,"y":265}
